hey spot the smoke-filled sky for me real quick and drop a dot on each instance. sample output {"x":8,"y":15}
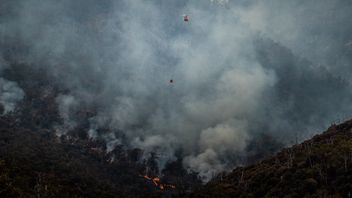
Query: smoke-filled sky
{"x":240,"y":68}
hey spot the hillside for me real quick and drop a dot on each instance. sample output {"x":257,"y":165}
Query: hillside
{"x":319,"y":167}
{"x":37,"y":162}
{"x":175,"y":98}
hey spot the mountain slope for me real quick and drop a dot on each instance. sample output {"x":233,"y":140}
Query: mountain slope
{"x":38,"y":164}
{"x":39,"y":157}
{"x":319,"y":167}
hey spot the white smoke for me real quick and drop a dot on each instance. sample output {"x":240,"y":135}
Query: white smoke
{"x":67,"y":107}
{"x":221,"y":2}
{"x":10,"y":95}
{"x":117,"y":57}
{"x":223,"y":138}
{"x":10,"y":92}
{"x":207,"y":164}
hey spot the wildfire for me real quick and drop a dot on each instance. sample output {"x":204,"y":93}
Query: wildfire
{"x":156,"y":181}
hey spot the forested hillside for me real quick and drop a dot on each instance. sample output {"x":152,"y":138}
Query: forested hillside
{"x":319,"y":167}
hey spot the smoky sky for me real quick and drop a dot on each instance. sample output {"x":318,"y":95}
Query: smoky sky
{"x":240,"y":69}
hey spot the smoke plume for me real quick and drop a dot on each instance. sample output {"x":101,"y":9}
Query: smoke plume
{"x":240,"y":68}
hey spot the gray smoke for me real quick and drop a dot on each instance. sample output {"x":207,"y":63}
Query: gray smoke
{"x":10,"y":95}
{"x":10,"y":92}
{"x":240,"y":68}
{"x":67,"y":106}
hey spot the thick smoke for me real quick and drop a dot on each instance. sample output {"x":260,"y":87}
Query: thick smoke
{"x":240,"y":69}
{"x":67,"y":106}
{"x":10,"y":93}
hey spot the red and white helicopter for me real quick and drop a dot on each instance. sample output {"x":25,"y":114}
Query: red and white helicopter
{"x":185,"y":18}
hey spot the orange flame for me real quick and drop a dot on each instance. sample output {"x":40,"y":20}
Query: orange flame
{"x":156,"y":181}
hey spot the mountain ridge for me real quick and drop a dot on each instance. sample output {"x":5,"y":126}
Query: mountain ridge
{"x":318,"y":167}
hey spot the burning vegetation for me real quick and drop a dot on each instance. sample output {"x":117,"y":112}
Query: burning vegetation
{"x":71,"y":164}
{"x":157,"y":182}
